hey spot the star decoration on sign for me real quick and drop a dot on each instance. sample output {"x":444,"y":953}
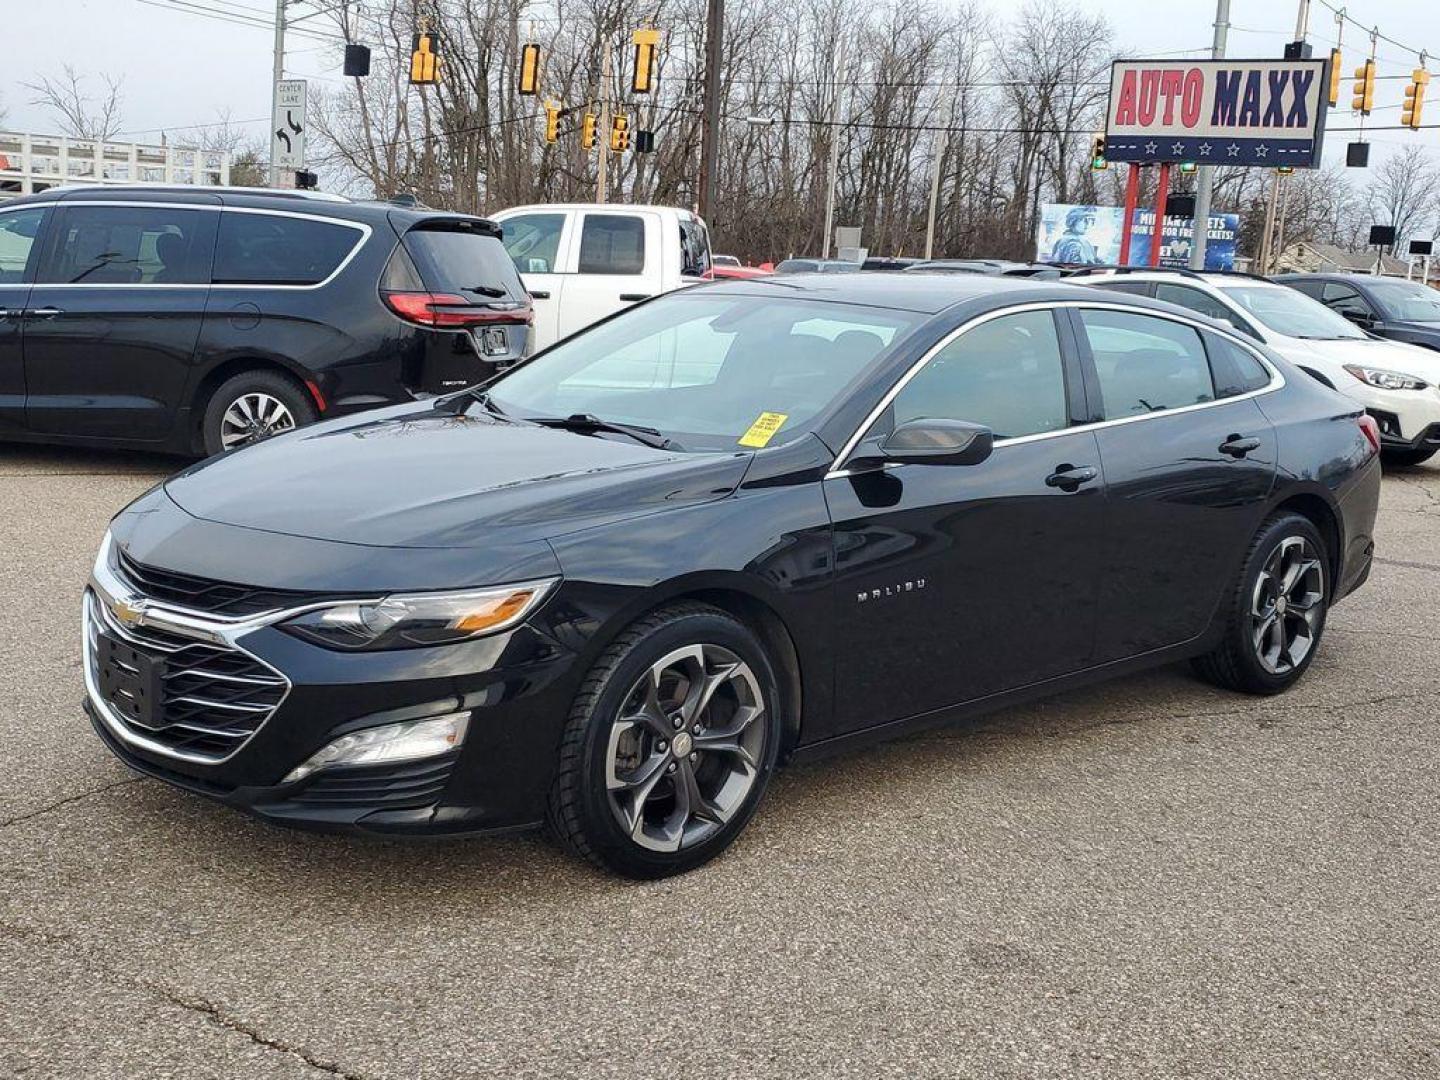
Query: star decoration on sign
{"x":1150,"y":147}
{"x":1178,"y":149}
{"x":1205,"y":149}
{"x":1234,"y":149}
{"x":1261,"y":150}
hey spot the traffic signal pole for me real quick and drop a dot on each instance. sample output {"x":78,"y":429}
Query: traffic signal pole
{"x":278,"y":73}
{"x":603,"y":169}
{"x":1205,"y":178}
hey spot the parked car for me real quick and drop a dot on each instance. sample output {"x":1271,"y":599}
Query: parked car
{"x":734,"y":526}
{"x":1395,"y":382}
{"x":880,"y":262}
{"x":725,"y":260}
{"x":738,"y":273}
{"x":816,"y":266}
{"x":197,"y":320}
{"x":585,"y":261}
{"x":1407,"y":311}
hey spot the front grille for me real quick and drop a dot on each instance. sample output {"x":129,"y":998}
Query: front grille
{"x":393,"y":787}
{"x":203,"y":594}
{"x":192,"y":698}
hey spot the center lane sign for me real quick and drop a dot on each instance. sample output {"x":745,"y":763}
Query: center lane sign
{"x":1217,"y":112}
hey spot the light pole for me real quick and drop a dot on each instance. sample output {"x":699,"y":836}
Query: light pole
{"x":942,"y":141}
{"x":837,"y":122}
{"x":1205,"y":180}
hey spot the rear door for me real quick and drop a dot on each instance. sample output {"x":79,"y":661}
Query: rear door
{"x":20,"y":233}
{"x":114,"y":316}
{"x":617,"y":262}
{"x":1189,"y":461}
{"x":538,"y":243}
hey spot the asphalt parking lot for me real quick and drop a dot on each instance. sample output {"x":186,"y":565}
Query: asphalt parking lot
{"x":1151,"y":878}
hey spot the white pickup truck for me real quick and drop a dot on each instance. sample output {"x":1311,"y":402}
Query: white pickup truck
{"x":584,"y":261}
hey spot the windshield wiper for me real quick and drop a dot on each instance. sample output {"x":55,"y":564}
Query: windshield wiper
{"x":588,"y":423}
{"x":486,"y":290}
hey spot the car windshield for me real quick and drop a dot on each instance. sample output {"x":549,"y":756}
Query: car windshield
{"x":1407,"y":300}
{"x":710,"y":371}
{"x":1291,"y":313}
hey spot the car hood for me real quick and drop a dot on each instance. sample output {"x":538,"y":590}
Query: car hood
{"x":1370,"y":352}
{"x":415,"y":477}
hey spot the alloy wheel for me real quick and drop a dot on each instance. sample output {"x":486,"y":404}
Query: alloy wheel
{"x":251,"y":416}
{"x":683,"y":754}
{"x":1287,"y":605}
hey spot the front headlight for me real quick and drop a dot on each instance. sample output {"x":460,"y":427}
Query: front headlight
{"x":419,"y":619}
{"x":1386,"y":380}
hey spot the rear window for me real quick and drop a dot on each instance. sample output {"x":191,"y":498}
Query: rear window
{"x":460,"y":258}
{"x":268,"y":249}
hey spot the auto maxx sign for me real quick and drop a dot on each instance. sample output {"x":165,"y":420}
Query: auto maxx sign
{"x":1217,"y":112}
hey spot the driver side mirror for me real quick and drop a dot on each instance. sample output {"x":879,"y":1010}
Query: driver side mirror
{"x":930,"y":442}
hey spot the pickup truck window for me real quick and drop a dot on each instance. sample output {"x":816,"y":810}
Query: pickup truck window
{"x":612,"y":244}
{"x":533,"y":241}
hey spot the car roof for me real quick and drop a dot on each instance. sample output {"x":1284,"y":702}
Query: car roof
{"x":601,"y":207}
{"x":1324,"y":275}
{"x":1214,"y":280}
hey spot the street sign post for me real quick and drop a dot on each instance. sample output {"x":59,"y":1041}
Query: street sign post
{"x":288,"y":126}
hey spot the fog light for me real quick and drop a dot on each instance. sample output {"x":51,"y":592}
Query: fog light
{"x":406,"y":741}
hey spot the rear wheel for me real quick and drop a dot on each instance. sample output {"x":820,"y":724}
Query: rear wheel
{"x":251,"y":406}
{"x":1399,"y":458}
{"x":669,"y":746}
{"x":1275,"y":612}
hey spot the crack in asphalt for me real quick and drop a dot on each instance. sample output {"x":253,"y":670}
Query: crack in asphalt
{"x":29,"y":814}
{"x":189,"y":1002}
{"x":1406,"y":562}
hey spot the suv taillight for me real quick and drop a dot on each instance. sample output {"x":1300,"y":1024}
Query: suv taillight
{"x":447,"y":311}
{"x":1371,"y":429}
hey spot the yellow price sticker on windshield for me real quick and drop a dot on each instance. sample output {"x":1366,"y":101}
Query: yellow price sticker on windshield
{"x":764,"y":429}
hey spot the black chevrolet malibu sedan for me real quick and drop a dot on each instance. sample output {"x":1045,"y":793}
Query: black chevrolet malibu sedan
{"x":736,"y":525}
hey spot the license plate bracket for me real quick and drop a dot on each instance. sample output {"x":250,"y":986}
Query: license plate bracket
{"x":129,"y":680}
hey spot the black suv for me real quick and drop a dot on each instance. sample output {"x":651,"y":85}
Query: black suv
{"x":1389,"y":307}
{"x":196,"y":320}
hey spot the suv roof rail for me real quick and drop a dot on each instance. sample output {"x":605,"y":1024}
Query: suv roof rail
{"x":1086,"y":271}
{"x":278,"y":193}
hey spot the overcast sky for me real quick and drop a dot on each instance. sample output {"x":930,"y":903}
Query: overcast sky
{"x":184,"y":69}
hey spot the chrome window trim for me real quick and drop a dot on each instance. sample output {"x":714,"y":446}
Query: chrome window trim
{"x":1277,"y":378}
{"x":365,"y":230}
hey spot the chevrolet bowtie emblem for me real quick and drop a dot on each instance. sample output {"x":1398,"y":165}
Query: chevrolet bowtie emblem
{"x":127,"y":612}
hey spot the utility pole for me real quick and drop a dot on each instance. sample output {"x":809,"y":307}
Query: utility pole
{"x":1205,"y":180}
{"x":277,"y":74}
{"x":710,"y":118}
{"x":837,"y":121}
{"x":1267,"y":235}
{"x":603,"y":139}
{"x":942,"y":140}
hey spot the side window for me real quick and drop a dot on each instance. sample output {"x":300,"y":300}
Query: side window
{"x":130,"y":245}
{"x":1146,"y":364}
{"x":1006,"y":374}
{"x":269,"y":249}
{"x":18,"y":230}
{"x":1187,"y":297}
{"x":533,"y":241}
{"x":1311,"y":289}
{"x":612,"y":244}
{"x":1345,"y":300}
{"x":1235,"y":370}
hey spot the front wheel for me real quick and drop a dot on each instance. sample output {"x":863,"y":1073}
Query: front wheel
{"x":1404,"y":458}
{"x":1275,"y":613}
{"x":669,"y":745}
{"x":251,"y":406}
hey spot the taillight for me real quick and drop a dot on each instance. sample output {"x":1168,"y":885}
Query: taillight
{"x":450,"y":312}
{"x":1371,"y":429}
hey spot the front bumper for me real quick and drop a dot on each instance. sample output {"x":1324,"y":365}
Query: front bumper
{"x":236,"y":748}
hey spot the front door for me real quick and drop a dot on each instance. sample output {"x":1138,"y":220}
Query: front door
{"x":19,"y":233}
{"x":538,"y":243}
{"x":1189,"y":459}
{"x":114,"y":317}
{"x":617,"y":263}
{"x":958,"y":582}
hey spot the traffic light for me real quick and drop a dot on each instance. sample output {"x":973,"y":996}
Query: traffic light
{"x":1414,"y":99}
{"x":1335,"y":76}
{"x":1286,"y":170}
{"x":1364,"y":99}
{"x":425,"y":59}
{"x":1097,"y":154}
{"x":587,"y":131}
{"x":1188,"y":166}
{"x":643,"y":80}
{"x":552,"y":121}
{"x":620,"y":133}
{"x":644,"y":142}
{"x":529,"y":69}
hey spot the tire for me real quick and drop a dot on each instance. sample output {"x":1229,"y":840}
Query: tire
{"x":1406,"y":458}
{"x":274,"y":402}
{"x":1250,"y":657}
{"x":618,"y":790}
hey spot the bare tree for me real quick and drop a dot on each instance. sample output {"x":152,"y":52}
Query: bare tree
{"x":1403,"y":192}
{"x":78,"y":114}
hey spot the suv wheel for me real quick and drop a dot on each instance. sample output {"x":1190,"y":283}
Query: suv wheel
{"x":251,"y":406}
{"x":1275,"y":611}
{"x":669,"y":746}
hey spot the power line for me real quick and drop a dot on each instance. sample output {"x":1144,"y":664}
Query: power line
{"x":190,"y":7}
{"x":1342,"y":13}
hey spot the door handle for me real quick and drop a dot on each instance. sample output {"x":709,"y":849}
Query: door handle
{"x":45,"y":313}
{"x":1238,"y":446}
{"x":628,"y":296}
{"x":539,"y":294}
{"x":1070,"y":477}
